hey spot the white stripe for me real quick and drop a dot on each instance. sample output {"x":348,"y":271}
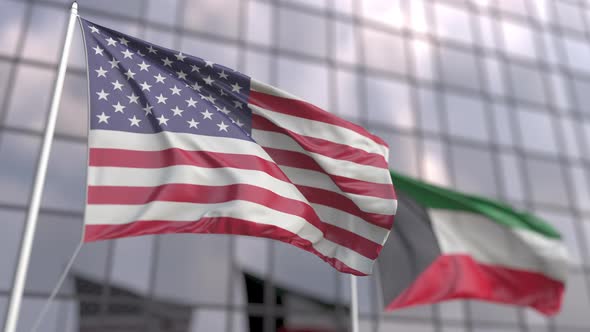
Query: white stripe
{"x":270,"y":90}
{"x":320,"y":180}
{"x":187,"y":212}
{"x":491,"y":243}
{"x":112,"y":139}
{"x":142,"y":177}
{"x":333,"y":166}
{"x":151,"y":177}
{"x":322,"y":130}
{"x":351,"y":223}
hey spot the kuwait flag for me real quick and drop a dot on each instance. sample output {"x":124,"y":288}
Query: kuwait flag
{"x":448,"y":245}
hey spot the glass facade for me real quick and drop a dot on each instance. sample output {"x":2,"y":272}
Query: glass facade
{"x":486,"y":96}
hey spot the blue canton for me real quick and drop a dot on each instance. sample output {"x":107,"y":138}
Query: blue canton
{"x":140,"y":87}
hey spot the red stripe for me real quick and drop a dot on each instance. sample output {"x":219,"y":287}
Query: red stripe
{"x":345,"y":184}
{"x":461,"y":277}
{"x":174,"y":156}
{"x":321,"y":146}
{"x":306,"y":110}
{"x":218,"y":194}
{"x":219,"y":225}
{"x":343,"y":203}
{"x":169,"y":157}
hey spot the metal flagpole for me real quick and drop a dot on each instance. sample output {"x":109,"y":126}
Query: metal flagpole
{"x":354,"y":304}
{"x":33,"y":213}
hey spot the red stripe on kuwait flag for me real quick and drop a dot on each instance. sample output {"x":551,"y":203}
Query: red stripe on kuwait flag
{"x":458,"y":246}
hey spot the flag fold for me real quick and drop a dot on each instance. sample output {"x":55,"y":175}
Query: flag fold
{"x":179,"y":144}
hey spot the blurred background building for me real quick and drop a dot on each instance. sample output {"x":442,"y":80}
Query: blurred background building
{"x":489,"y":97}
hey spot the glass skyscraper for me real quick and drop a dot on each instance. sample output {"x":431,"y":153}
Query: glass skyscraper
{"x":490,"y":97}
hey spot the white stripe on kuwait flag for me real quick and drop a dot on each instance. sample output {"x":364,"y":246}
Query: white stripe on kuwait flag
{"x":447,"y":245}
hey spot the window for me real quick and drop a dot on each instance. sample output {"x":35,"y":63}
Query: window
{"x":424,"y":65}
{"x":527,"y":84}
{"x":389,"y":102}
{"x":259,"y":28}
{"x":551,"y":189}
{"x":578,"y":53}
{"x":297,"y":29}
{"x":311,"y":83}
{"x":453,"y":23}
{"x":474,"y":170}
{"x":215,"y":17}
{"x":466,"y":118}
{"x":537,"y":131}
{"x":518,"y":40}
{"x":45,"y":34}
{"x":384,"y":51}
{"x":11,"y":16}
{"x":459,"y":68}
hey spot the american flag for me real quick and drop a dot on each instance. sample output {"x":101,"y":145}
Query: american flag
{"x":179,"y":144}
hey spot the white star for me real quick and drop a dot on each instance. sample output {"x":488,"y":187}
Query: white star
{"x":167,"y":62}
{"x":177,"y":111}
{"x":124,"y":41}
{"x":222,"y":126}
{"x":100,"y":72}
{"x":195,"y":68}
{"x":114,"y":63}
{"x":133,"y":98}
{"x":223,"y":110}
{"x":222,"y":93}
{"x":102,"y":95}
{"x":139,"y":53}
{"x":196,"y":87}
{"x":209,"y":63}
{"x":134,"y":121}
{"x":119,"y":108}
{"x":103,"y":118}
{"x":191,"y":102}
{"x":143,"y":66}
{"x":236,"y":88}
{"x":130,"y":74}
{"x":180,"y":56}
{"x":161,"y":99}
{"x":159,"y":78}
{"x":151,"y":49}
{"x":175,"y":90}
{"x":223,"y":75}
{"x":208,"y":80}
{"x":181,"y":75}
{"x":162,"y":120}
{"x":148,"y":109}
{"x":239,"y":123}
{"x":237,"y":104}
{"x":193,"y":124}
{"x":207,"y":114}
{"x":93,"y":29}
{"x":127,"y":54}
{"x":145,"y":86}
{"x":111,"y":42}
{"x":98,"y":50}
{"x":209,"y":98}
{"x":117,"y":85}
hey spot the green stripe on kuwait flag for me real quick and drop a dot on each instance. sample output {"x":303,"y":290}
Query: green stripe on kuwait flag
{"x":448,"y":245}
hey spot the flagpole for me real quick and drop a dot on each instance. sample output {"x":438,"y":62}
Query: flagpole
{"x":33,"y":212}
{"x":354,"y":304}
